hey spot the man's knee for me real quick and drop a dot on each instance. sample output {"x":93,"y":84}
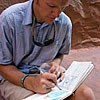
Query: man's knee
{"x":88,"y":93}
{"x":85,"y":92}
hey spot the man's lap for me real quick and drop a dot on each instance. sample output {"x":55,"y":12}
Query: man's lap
{"x":12,"y":92}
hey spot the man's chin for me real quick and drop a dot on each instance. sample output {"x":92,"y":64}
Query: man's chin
{"x":49,"y":21}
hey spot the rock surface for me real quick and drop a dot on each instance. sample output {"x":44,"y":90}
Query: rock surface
{"x":85,"y":15}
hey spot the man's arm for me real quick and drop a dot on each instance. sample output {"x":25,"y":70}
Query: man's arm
{"x":11,"y":73}
{"x":58,"y":59}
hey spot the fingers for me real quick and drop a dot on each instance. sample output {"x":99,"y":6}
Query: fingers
{"x":41,"y":83}
{"x":61,"y":75}
{"x":49,"y":76}
{"x":43,"y":89}
{"x":54,"y":68}
{"x":48,"y":81}
{"x":49,"y":84}
{"x":60,"y":78}
{"x":57,"y":70}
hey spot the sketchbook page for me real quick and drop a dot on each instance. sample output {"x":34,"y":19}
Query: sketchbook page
{"x":84,"y":76}
{"x":74,"y":74}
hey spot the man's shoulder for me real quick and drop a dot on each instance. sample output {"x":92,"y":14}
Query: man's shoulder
{"x":14,"y":9}
{"x":64,"y":19}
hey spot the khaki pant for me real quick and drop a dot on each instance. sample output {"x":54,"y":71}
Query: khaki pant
{"x":10,"y":91}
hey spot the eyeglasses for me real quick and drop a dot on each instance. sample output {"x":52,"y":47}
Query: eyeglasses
{"x":45,"y":43}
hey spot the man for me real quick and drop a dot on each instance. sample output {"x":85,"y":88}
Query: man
{"x":34,"y":33}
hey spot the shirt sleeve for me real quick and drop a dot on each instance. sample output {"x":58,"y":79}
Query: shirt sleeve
{"x":5,"y":40}
{"x":66,"y":45}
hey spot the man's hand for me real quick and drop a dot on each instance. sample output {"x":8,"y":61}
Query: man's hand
{"x":57,"y":70}
{"x":41,"y":83}
{"x":53,"y":68}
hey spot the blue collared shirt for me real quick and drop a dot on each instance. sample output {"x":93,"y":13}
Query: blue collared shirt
{"x":16,"y":37}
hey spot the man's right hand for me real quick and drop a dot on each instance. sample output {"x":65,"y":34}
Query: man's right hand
{"x":42,"y":83}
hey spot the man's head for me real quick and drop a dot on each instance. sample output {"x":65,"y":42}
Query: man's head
{"x":48,"y":10}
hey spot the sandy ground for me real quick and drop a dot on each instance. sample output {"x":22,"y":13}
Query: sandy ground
{"x":87,"y":54}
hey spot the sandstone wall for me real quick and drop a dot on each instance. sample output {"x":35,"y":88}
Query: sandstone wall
{"x":85,"y":15}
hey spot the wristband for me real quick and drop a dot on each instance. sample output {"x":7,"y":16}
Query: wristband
{"x":23,"y":79}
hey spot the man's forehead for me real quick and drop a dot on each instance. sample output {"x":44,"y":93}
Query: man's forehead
{"x":60,"y":2}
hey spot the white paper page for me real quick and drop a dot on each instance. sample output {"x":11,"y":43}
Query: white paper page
{"x":75,"y":73}
{"x":84,"y":76}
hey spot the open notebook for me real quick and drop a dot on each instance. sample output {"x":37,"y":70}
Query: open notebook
{"x":74,"y":77}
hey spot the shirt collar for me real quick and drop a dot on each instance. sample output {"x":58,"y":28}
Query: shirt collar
{"x":28,"y":15}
